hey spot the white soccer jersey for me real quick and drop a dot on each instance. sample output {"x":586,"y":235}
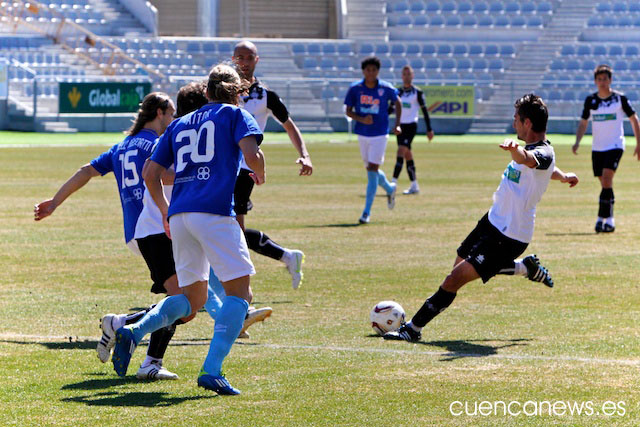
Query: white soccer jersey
{"x":150,"y":219}
{"x":514,"y":203}
{"x":412,"y":100}
{"x":261,"y":102}
{"x":607,"y":117}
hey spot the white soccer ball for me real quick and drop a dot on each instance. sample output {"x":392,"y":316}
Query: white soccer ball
{"x":386,"y":316}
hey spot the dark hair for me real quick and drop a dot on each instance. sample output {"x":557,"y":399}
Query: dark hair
{"x":532,"y":107}
{"x":225,"y":84}
{"x":148,"y":110}
{"x":602,"y":69}
{"x":372,"y":60}
{"x":191,"y":97}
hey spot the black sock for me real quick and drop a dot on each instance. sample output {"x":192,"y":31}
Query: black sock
{"x":398,"y":168}
{"x":510,"y":270}
{"x":433,"y":306}
{"x":134,"y":317}
{"x":606,"y":203}
{"x":411,"y":170}
{"x":159,"y":341}
{"x":262,"y":244}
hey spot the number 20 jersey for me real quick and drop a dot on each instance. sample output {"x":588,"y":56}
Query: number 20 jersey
{"x":203,"y":145}
{"x":126,"y":160}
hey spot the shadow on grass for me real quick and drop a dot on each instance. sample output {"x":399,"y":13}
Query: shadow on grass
{"x":345,"y":225}
{"x":136,"y":399}
{"x":459,"y":349}
{"x":569,"y":234}
{"x":71,"y":344}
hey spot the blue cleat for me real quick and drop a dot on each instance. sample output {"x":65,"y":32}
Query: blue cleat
{"x":218,"y":384}
{"x":123,"y":350}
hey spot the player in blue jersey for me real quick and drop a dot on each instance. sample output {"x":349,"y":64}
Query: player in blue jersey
{"x":367,"y":103}
{"x":206,"y":148}
{"x":126,"y":161}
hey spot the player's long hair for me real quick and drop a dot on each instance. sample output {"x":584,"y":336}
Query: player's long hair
{"x":148,"y":110}
{"x":225,"y":85}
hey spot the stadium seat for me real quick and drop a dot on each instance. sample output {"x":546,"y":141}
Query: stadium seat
{"x":428,"y":49}
{"x":528,"y":8}
{"x":534,"y":21}
{"x":385,"y":63}
{"x":430,"y":64}
{"x":420,"y":21}
{"x":567,"y":50}
{"x":496,"y":64}
{"x":309,"y":64}
{"x":634,"y":65}
{"x":413,"y":49}
{"x":404,"y":21}
{"x":417,"y":7}
{"x":485,"y":21}
{"x":501,"y":21}
{"x":327,"y":64}
{"x":634,"y":7}
{"x":557,"y":65}
{"x":401,"y":7}
{"x":518,"y":21}
{"x":603,"y":7}
{"x":382,"y":49}
{"x":480,"y":7}
{"x":569,"y":95}
{"x":625,"y":21}
{"x":496,"y":7}
{"x":464,"y":7}
{"x":631,"y":51}
{"x":620,"y":7}
{"x":392,"y":21}
{"x":480,"y":64}
{"x":436,"y":21}
{"x":583,"y":50}
{"x":512,"y":7}
{"x":594,"y":21}
{"x":432,"y":7}
{"x":469,"y":21}
{"x":632,"y":96}
{"x":609,"y":21}
{"x":475,"y":50}
{"x":444,"y":49}
{"x":329,"y":49}
{"x":453,"y":21}
{"x":344,"y":64}
{"x":418,"y":64}
{"x":491,"y":50}
{"x":366,"y":49}
{"x":448,"y":7}
{"x":447,"y":64}
{"x":620,"y":66}
{"x":397,"y":49}
{"x":544,"y":8}
{"x":398,"y":63}
{"x":464,"y":64}
{"x":345,"y":49}
{"x":460,"y":50}
{"x":599,"y":50}
{"x":555,"y":95}
{"x":572,"y":65}
{"x":298,"y":49}
{"x":615,"y":50}
{"x":589,"y":65}
{"x":548,"y":80}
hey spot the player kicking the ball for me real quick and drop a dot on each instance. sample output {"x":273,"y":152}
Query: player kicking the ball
{"x":506,"y":230}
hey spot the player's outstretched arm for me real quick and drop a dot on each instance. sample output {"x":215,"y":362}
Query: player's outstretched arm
{"x":635,"y":125}
{"x":519,"y":154}
{"x":73,"y":184}
{"x":151,"y":175}
{"x":255,"y":158}
{"x":568,"y":177}
{"x":582,"y":129}
{"x":306,"y":168}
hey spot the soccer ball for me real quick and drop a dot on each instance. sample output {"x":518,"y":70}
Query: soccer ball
{"x":386,"y":316}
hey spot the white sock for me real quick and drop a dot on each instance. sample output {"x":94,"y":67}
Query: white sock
{"x":521,"y":269}
{"x":286,"y":256}
{"x":414,"y":184}
{"x":119,"y":321}
{"x":394,"y":180}
{"x":600,"y":219}
{"x":149,"y":360}
{"x":414,"y":327}
{"x":610,"y":221}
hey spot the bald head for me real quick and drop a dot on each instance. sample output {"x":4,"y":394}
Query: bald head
{"x":245,"y":45}
{"x":245,"y":56}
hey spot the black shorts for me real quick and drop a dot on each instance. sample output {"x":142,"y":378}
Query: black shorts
{"x":242,"y":193}
{"x":605,"y":160}
{"x":488,"y":250}
{"x":158,"y":254}
{"x":408,"y":132}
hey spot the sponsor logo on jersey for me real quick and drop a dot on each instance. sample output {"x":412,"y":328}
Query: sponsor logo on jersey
{"x":512,"y":174}
{"x":406,"y":105}
{"x":380,"y":92}
{"x":604,"y":117}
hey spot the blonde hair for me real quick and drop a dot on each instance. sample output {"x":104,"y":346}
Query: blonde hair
{"x":225,"y":84}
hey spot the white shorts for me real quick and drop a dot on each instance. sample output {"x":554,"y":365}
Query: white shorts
{"x":202,"y":239}
{"x":372,"y":148}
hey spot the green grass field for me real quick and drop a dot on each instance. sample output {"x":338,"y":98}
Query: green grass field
{"x":315,"y":361}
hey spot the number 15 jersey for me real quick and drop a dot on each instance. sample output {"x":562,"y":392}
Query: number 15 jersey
{"x":203,"y":145}
{"x":126,"y":160}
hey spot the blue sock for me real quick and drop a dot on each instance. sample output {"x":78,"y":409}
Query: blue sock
{"x":214,"y":299}
{"x":228,"y":326}
{"x":383,"y":182}
{"x":372,"y":186}
{"x":163,"y":314}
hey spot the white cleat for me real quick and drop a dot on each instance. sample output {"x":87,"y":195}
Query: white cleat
{"x":364,"y":219}
{"x":254,"y":315}
{"x":108,"y":339}
{"x":294,"y":264}
{"x":412,"y":190}
{"x":391,"y":197}
{"x":155,"y":371}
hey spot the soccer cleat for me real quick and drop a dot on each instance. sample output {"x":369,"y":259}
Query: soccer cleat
{"x":391,"y":197}
{"x":218,"y":384}
{"x":244,"y":335}
{"x":254,"y":315}
{"x":599,"y":226}
{"x":294,"y":264}
{"x":404,"y":332}
{"x":155,"y":371}
{"x":364,"y":219}
{"x":108,"y":339}
{"x":536,"y":272}
{"x":608,"y":228}
{"x":412,"y":190}
{"x":123,"y":350}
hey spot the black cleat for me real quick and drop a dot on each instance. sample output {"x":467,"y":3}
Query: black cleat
{"x":599,"y":227}
{"x":536,"y":272}
{"x":404,"y":332}
{"x":608,"y":228}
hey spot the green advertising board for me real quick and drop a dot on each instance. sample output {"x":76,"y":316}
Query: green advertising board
{"x":101,"y":97}
{"x":449,"y":101}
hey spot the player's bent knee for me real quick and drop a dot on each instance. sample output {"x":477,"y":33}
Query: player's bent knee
{"x":197,"y":295}
{"x":189,"y":318}
{"x":239,"y":288}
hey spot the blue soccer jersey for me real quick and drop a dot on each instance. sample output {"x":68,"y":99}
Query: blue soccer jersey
{"x":374,"y":101}
{"x":203,"y":145}
{"x":126,"y":160}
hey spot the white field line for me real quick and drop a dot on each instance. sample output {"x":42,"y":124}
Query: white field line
{"x":393,"y":351}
